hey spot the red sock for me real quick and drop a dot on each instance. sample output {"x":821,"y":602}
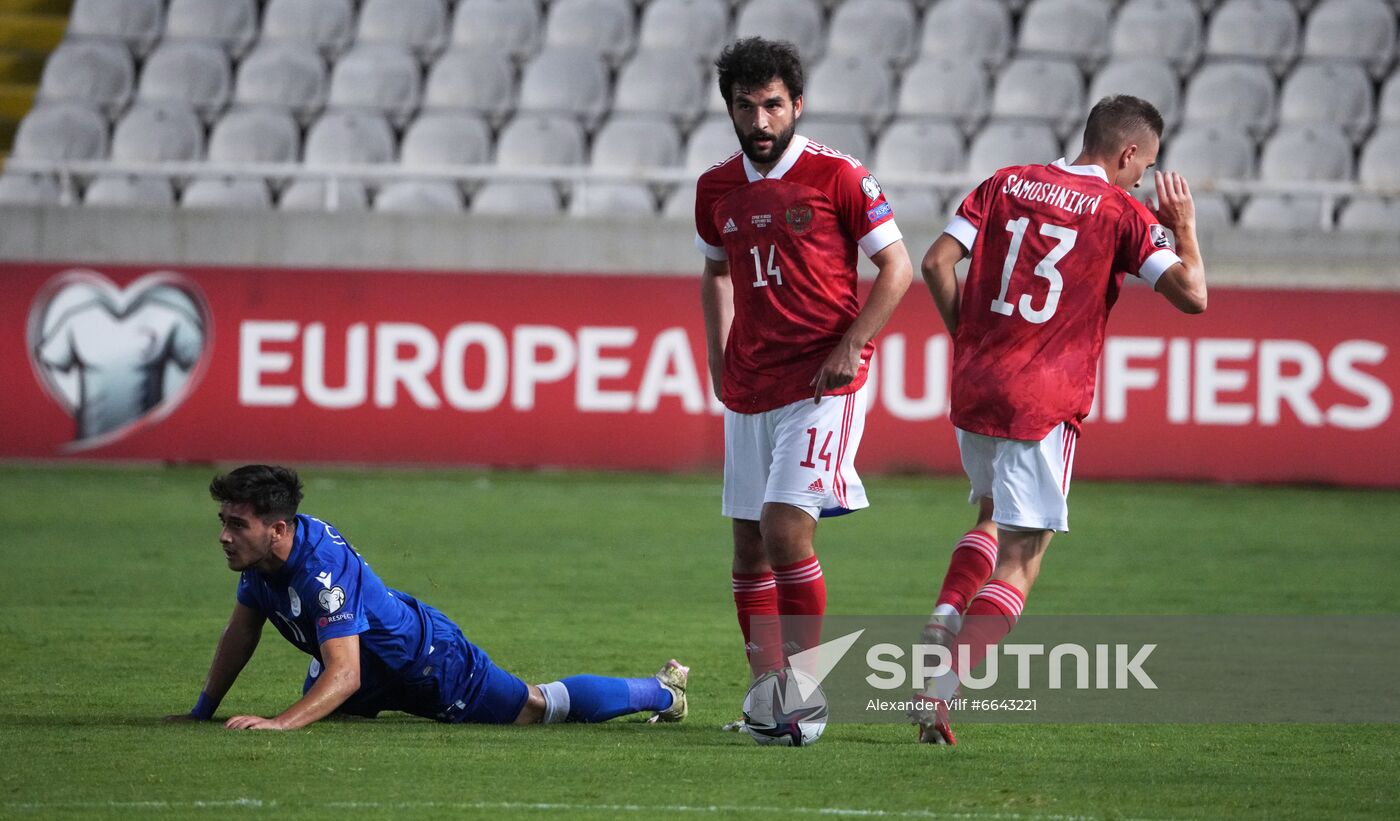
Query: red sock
{"x":990,"y":616}
{"x":801,"y":592}
{"x":756,"y":600}
{"x":973,"y":561}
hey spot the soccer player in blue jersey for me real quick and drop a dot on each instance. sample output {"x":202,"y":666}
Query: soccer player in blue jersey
{"x":375,"y":649}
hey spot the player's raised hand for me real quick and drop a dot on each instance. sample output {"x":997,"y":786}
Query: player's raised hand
{"x":1174,"y":207}
{"x":252,"y":723}
{"x":839,"y":370}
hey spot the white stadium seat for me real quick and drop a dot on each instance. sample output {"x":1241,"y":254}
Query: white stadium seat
{"x":349,"y":138}
{"x":512,"y":198}
{"x":612,"y":199}
{"x":1317,"y":152}
{"x":1209,"y":152}
{"x":917,"y":207}
{"x":1213,"y":211}
{"x":1065,"y":29}
{"x":1150,"y":78}
{"x":604,"y":27}
{"x":851,"y":85}
{"x":158,"y":132}
{"x":136,"y":23}
{"x":1328,"y":91}
{"x":696,"y":27}
{"x":566,"y":81}
{"x":283,"y":75}
{"x":946,"y":88}
{"x":61,"y":131}
{"x":255,"y":135}
{"x":329,"y":25}
{"x":797,"y":21}
{"x":882,"y":29}
{"x":967,"y":29}
{"x":231,"y":24}
{"x":680,"y":203}
{"x":420,"y":197}
{"x":89,"y":71}
{"x":1380,"y":159}
{"x":418,"y":25}
{"x":320,"y":195}
{"x":711,"y":142}
{"x":1379,"y":214}
{"x":190,"y":72}
{"x":1285,"y":213}
{"x":1167,"y":29}
{"x":472,"y":79}
{"x":1238,"y":93}
{"x":503,"y":25}
{"x":378,"y":77}
{"x":916,"y":147}
{"x":1388,"y":105}
{"x":445,"y":138}
{"x":532,"y":140}
{"x":17,"y":188}
{"x":667,"y":82}
{"x":1362,"y":30}
{"x":1003,"y":144}
{"x":633,"y":143}
{"x":838,"y":133}
{"x":241,"y":193}
{"x":1046,"y":91}
{"x":128,"y":190}
{"x":1263,"y":30}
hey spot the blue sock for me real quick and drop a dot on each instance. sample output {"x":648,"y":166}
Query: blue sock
{"x":599,"y":698}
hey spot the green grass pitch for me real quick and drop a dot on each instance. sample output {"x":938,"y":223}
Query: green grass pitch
{"x":113,"y":593}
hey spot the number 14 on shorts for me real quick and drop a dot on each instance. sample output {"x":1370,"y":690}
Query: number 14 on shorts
{"x":812,"y":453}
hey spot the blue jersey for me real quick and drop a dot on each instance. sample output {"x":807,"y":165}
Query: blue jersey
{"x":412,"y":657}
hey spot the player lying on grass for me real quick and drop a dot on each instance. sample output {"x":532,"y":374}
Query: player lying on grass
{"x":375,"y":649}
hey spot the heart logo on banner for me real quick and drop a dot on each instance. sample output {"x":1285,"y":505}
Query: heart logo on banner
{"x":118,"y":359}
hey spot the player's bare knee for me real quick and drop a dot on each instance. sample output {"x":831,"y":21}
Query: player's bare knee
{"x":532,"y":712}
{"x":749,"y":554}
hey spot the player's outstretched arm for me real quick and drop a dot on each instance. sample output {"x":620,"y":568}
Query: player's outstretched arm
{"x":1183,"y":284}
{"x":236,"y":646}
{"x":842,"y":365}
{"x":339,"y":681}
{"x":941,"y":277}
{"x":717,"y":301}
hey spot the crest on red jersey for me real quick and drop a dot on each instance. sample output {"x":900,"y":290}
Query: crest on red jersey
{"x":799,"y":218}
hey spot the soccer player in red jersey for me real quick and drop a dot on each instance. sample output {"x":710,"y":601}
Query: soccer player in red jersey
{"x":780,"y":223}
{"x":1050,"y":245}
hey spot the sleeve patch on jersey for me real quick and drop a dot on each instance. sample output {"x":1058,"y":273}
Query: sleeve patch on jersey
{"x":870,"y":186}
{"x":327,"y":621}
{"x":1159,"y":236}
{"x":332,"y":599}
{"x":879,"y":212}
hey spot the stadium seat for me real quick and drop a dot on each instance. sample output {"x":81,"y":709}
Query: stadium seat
{"x":881,"y":29}
{"x":255,"y":135}
{"x":320,"y":195}
{"x":378,"y":77}
{"x":1388,"y":106}
{"x":158,"y":132}
{"x":946,"y":88}
{"x":604,"y":27}
{"x":680,"y":203}
{"x":666,"y":82}
{"x":502,"y":25}
{"x":1166,"y":29}
{"x":243,"y":193}
{"x":445,"y":138}
{"x":797,"y":21}
{"x":1380,"y":214}
{"x":1284,"y":212}
{"x":566,"y":81}
{"x":532,"y":140}
{"x":18,"y":188}
{"x":967,"y":29}
{"x":917,"y":147}
{"x":418,"y":25}
{"x":349,"y":138}
{"x":1238,"y":93}
{"x":185,"y":71}
{"x":127,"y":190}
{"x":136,"y":23}
{"x":420,"y":197}
{"x":711,"y":142}
{"x":1328,"y":91}
{"x":1206,"y":153}
{"x":1263,"y":30}
{"x":1306,"y":153}
{"x":837,"y":133}
{"x":1150,"y":78}
{"x":1044,"y":91}
{"x":696,"y":27}
{"x":1002,"y":144}
{"x":231,"y":24}
{"x":852,"y":86}
{"x":1213,"y":211}
{"x":612,"y":199}
{"x":61,"y":131}
{"x":329,"y":25}
{"x":91,"y":72}
{"x":635,"y":142}
{"x":472,"y":79}
{"x":1065,"y":29}
{"x":291,"y":76}
{"x":1362,"y":30}
{"x":917,"y":208}
{"x":517,"y":198}
{"x":1380,"y":159}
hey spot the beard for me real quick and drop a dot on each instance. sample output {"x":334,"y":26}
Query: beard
{"x":781,"y":140}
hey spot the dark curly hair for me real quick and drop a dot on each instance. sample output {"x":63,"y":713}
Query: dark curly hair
{"x":754,"y":62}
{"x":274,"y":492}
{"x":1114,"y":121}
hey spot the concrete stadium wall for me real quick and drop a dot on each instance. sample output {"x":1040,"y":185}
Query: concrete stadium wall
{"x":1317,"y":259}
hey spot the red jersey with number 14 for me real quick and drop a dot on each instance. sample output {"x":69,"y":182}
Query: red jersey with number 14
{"x":790,"y":239}
{"x":1050,"y":245}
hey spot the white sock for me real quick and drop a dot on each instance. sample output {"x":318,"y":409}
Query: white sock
{"x":556,"y":702}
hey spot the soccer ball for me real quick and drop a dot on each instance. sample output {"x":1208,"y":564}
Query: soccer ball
{"x":776,"y":713}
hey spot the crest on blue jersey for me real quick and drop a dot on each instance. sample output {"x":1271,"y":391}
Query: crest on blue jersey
{"x":296,"y":601}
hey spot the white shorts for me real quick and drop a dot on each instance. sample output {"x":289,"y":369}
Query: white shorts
{"x":1028,"y":482}
{"x":801,"y":454}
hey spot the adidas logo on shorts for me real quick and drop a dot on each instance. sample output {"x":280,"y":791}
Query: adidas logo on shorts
{"x":816,"y":487}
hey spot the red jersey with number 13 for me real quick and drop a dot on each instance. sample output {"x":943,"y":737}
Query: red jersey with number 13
{"x":1050,"y":245}
{"x":790,"y":239}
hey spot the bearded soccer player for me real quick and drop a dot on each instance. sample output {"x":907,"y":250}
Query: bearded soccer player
{"x":372,"y":648}
{"x":780,"y":223}
{"x":1050,"y":245}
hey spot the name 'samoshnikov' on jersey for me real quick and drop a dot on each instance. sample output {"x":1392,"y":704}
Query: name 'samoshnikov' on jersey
{"x":1051,"y":194}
